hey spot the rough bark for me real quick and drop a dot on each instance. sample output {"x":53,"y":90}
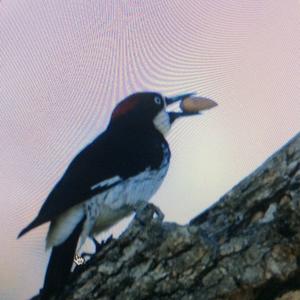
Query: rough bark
{"x":246,"y":246}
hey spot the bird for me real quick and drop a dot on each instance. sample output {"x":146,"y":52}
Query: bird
{"x":112,"y":177}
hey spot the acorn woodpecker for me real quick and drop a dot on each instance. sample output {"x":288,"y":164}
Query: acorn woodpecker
{"x":108,"y":180}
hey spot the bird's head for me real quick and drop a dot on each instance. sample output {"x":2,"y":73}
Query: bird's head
{"x":147,"y":109}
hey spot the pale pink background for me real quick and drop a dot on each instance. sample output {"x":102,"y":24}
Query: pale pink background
{"x":65,"y":64}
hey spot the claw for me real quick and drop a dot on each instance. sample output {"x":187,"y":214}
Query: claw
{"x":145,"y":212}
{"x":98,"y":247}
{"x":160,"y":215}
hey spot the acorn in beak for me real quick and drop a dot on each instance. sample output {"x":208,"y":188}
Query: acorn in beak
{"x":190,"y":105}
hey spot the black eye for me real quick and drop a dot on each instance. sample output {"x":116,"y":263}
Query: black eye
{"x":157,"y":100}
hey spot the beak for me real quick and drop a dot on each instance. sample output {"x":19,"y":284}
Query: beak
{"x":175,"y":115}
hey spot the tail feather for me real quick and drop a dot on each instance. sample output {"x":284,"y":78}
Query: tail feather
{"x":60,"y":263}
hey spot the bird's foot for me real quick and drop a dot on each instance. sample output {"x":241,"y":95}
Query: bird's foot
{"x":146,"y":212}
{"x":159,"y":214}
{"x":98,"y":246}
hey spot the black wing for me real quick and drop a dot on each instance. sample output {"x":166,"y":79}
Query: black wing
{"x":107,"y":157}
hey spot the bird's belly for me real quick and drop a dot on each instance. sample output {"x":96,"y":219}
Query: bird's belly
{"x":107,"y":208}
{"x":108,"y":217}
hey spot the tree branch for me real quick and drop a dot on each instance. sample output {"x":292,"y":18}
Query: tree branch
{"x":246,"y":246}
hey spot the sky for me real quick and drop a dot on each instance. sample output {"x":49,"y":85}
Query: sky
{"x":64,"y":65}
